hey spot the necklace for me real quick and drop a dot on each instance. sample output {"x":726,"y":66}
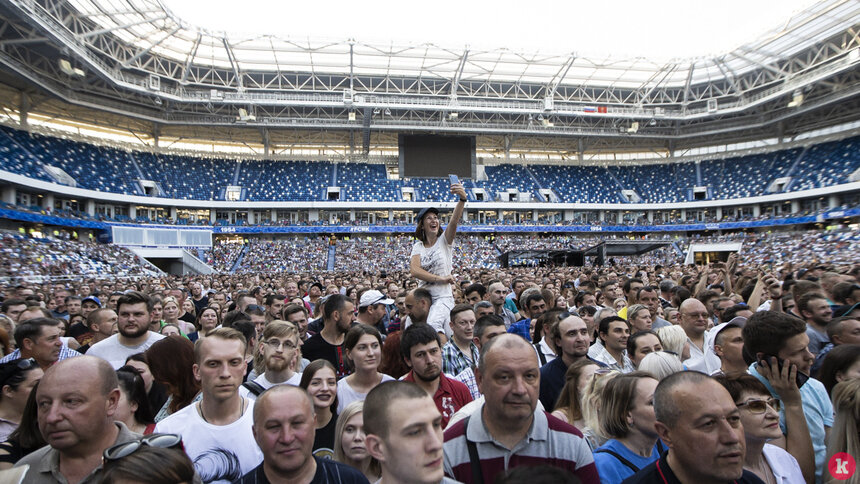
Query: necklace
{"x":241,"y":410}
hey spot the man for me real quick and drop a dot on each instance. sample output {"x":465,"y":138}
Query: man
{"x":403,"y":431}
{"x":631,"y":289}
{"x":244,"y":300}
{"x":770,"y":334}
{"x":534,"y":305}
{"x":100,"y":323}
{"x":199,"y":299}
{"x":583,"y":299}
{"x":483,"y":308}
{"x":512,"y":300}
{"x":486,"y":328}
{"x":274,"y":306}
{"x":12,"y":308}
{"x":338,"y":315}
{"x":610,"y":349}
{"x":422,"y":353}
{"x":298,"y":315}
{"x":258,"y":317}
{"x":279,"y":347}
{"x":60,"y":296}
{"x":496,"y":296}
{"x":134,"y":335}
{"x":89,"y":304}
{"x":417,"y":302}
{"x":727,"y":342}
{"x":665,"y":288}
{"x":73,"y":306}
{"x":509,"y":431}
{"x":39,"y":339}
{"x":474,"y":293}
{"x":314,"y":294}
{"x":694,"y":320}
{"x":372,"y":309}
{"x":217,"y":431}
{"x":284,"y":429}
{"x":700,"y":423}
{"x":844,"y":330}
{"x":112,"y":300}
{"x":649,"y":298}
{"x":610,"y":291}
{"x":571,"y":337}
{"x":460,"y":352}
{"x":816,"y":311}
{"x":77,"y":404}
{"x":721,"y":304}
{"x":220,"y":298}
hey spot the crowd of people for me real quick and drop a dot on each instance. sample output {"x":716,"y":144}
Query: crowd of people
{"x":437,"y":366}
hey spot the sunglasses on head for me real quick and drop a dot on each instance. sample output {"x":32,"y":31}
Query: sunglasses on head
{"x":163,"y":441}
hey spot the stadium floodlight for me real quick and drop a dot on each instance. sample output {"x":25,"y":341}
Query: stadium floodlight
{"x":453,"y":115}
{"x":634,"y":127}
{"x":244,"y":116}
{"x":796,"y":100}
{"x":351,"y":115}
{"x":66,"y":68}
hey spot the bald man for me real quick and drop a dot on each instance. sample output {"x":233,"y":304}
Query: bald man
{"x":695,"y":321}
{"x":284,"y":428}
{"x":77,"y":400}
{"x":508,"y":430}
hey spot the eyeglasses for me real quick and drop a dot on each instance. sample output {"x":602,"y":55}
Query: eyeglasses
{"x":760,"y":406}
{"x":276,"y":345}
{"x":163,"y":441}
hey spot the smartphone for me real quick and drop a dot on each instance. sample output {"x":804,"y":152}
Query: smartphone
{"x":801,"y":378}
{"x":454,"y":179}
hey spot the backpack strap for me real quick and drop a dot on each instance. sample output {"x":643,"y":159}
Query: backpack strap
{"x":255,"y":388}
{"x":620,"y":459}
{"x":477,"y":473}
{"x":540,"y":354}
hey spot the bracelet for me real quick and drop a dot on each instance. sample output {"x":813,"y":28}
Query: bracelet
{"x":462,"y":199}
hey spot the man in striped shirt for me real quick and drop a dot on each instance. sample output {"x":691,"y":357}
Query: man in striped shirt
{"x":508,"y":431}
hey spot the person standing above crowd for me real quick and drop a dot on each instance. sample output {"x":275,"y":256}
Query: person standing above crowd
{"x":431,"y":258}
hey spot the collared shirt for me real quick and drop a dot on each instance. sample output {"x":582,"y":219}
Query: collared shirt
{"x":449,"y":397}
{"x":508,"y":316}
{"x":467,"y":377}
{"x":549,"y":442}
{"x":65,"y":353}
{"x":45,"y":462}
{"x":703,"y":361}
{"x":599,"y":353}
{"x":522,"y":328}
{"x":453,"y":359}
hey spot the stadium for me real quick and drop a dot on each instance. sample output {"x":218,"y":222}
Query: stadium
{"x":201,"y":151}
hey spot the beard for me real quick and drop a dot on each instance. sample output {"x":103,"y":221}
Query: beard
{"x":428,"y":375}
{"x":132,"y":333}
{"x":276,"y":364}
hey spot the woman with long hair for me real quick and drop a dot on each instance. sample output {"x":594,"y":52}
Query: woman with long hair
{"x":591,"y":403}
{"x":569,"y":405}
{"x":363,"y":347}
{"x":845,"y":433}
{"x":24,"y":439}
{"x":156,"y":393}
{"x":350,"y":447}
{"x":392,"y":360}
{"x":627,"y":417}
{"x":17,"y":379}
{"x":171,"y":360}
{"x":320,"y":381}
{"x":431,"y":258}
{"x":207,"y":320}
{"x":839,"y":364}
{"x":170,"y":311}
{"x":133,"y":407}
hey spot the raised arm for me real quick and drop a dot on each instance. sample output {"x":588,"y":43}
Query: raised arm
{"x":451,"y":229}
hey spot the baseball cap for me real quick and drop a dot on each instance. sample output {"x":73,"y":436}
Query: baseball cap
{"x":93,"y":299}
{"x":737,"y":322}
{"x":373,"y":297}
{"x":425,"y":211}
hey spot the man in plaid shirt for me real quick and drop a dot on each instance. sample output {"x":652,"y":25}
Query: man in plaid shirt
{"x":460,"y":352}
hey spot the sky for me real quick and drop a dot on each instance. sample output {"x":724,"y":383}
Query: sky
{"x":655,"y":29}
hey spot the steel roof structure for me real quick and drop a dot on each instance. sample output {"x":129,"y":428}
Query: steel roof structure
{"x":137,"y":64}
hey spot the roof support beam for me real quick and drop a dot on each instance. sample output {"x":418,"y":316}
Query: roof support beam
{"x":190,"y":59}
{"x":152,"y":46}
{"x":455,"y":84}
{"x":768,"y":67}
{"x":233,"y":62}
{"x":560,"y":75}
{"x":688,"y":82}
{"x":93,"y":33}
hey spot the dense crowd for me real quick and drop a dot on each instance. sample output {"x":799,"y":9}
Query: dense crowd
{"x":287,"y":371}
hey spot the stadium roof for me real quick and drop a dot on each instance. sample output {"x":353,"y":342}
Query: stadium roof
{"x":151,"y":26}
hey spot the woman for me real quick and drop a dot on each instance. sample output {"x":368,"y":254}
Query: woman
{"x":430,"y":261}
{"x":133,"y":406}
{"x":672,"y":315}
{"x":627,"y":417}
{"x":639,"y":318}
{"x":840,"y":364}
{"x":26,"y":438}
{"x":619,"y":304}
{"x":17,"y":379}
{"x":363,"y":346}
{"x":171,"y":315}
{"x":208,"y":320}
{"x":170,"y":329}
{"x":660,"y":364}
{"x":759,"y":413}
{"x":350,"y":447}
{"x":171,"y":360}
{"x":189,"y":309}
{"x":5,"y":346}
{"x":845,"y":433}
{"x":640,"y":344}
{"x":675,"y":341}
{"x":156,"y":393}
{"x":320,"y":381}
{"x":569,"y":405}
{"x":392,"y":360}
{"x":591,"y":403}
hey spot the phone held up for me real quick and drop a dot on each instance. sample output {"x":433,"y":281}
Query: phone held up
{"x":801,"y":378}
{"x":454,"y":179}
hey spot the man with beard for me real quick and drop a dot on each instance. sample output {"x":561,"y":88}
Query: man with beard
{"x":279,"y":346}
{"x":134,"y":335}
{"x":815,"y":310}
{"x":572,"y":340}
{"x":338,"y":315}
{"x":422,"y":352}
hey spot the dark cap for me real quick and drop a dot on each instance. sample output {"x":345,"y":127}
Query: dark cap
{"x":425,"y":211}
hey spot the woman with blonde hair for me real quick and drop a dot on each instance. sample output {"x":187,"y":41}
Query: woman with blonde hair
{"x":675,"y":341}
{"x":170,"y":312}
{"x":660,"y":364}
{"x":569,"y":405}
{"x":844,"y":433}
{"x":591,"y":402}
{"x":349,"y":445}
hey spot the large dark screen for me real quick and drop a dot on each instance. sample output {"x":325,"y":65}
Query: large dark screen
{"x":436,"y":156}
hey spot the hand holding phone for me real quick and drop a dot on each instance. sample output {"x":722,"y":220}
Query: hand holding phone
{"x":454,"y":179}
{"x":778,"y":374}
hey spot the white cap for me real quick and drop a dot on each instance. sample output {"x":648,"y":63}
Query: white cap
{"x":371,"y":297}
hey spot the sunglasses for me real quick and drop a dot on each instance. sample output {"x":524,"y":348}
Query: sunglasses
{"x":163,"y":441}
{"x":760,"y":406}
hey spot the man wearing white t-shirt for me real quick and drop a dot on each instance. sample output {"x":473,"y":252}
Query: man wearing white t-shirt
{"x":133,"y":315}
{"x":279,"y":347}
{"x":217,"y":431}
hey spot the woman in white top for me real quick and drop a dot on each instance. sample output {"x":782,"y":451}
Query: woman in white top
{"x":363,"y":346}
{"x":430,"y":261}
{"x":759,"y":413}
